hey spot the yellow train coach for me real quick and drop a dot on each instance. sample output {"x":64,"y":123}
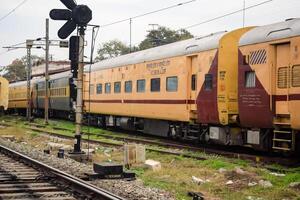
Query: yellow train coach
{"x":3,"y":94}
{"x":149,"y":89}
{"x":234,"y":88}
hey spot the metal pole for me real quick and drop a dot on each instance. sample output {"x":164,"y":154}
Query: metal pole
{"x":244,"y":13}
{"x":29,"y":44}
{"x":130,"y":27}
{"x":47,"y":73}
{"x":79,"y":100}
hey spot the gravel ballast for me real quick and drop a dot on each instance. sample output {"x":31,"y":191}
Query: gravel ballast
{"x":127,"y":189}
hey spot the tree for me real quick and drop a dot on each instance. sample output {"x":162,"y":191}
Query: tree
{"x":154,"y":38}
{"x":162,"y":36}
{"x":111,"y":49}
{"x":35,"y":60}
{"x":17,"y":69}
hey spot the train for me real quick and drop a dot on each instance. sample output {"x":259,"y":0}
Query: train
{"x":237,"y":88}
{"x":3,"y":95}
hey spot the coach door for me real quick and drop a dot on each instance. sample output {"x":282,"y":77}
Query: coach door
{"x":192,"y":94}
{"x":282,"y":79}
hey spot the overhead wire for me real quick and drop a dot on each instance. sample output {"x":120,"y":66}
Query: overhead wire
{"x":13,"y":10}
{"x":147,"y":13}
{"x":226,"y":15}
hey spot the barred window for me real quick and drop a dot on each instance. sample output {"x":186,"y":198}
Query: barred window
{"x":107,"y":88}
{"x":250,"y":79}
{"x":117,"y":87}
{"x":208,"y":83}
{"x":282,"y":77}
{"x":128,"y":86}
{"x":172,"y":84}
{"x":99,"y":88}
{"x":141,"y":85}
{"x":296,"y":76}
{"x":155,"y":85}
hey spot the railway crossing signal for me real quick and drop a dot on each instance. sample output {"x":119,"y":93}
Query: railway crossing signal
{"x":76,"y":15}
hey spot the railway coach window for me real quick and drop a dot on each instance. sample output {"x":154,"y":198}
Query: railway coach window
{"x":296,"y":76}
{"x":282,"y":77}
{"x":208,"y":83}
{"x":141,"y":85}
{"x":99,"y":88}
{"x":172,"y":84}
{"x":250,"y":79}
{"x":194,"y":82}
{"x":128,"y":86}
{"x":155,"y":85}
{"x":117,"y":87}
{"x":107,"y":88}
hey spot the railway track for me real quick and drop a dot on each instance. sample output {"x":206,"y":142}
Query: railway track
{"x":251,"y":156}
{"x":262,"y":159}
{"x":22,"y":177}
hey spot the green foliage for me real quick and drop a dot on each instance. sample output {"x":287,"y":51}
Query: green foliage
{"x":35,"y":60}
{"x":162,"y":36}
{"x":217,"y":164}
{"x":16,"y":71}
{"x":111,"y":49}
{"x":154,"y":38}
{"x":34,"y":134}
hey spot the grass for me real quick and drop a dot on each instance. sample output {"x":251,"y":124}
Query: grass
{"x":177,"y":171}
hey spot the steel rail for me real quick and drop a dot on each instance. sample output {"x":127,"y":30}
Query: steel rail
{"x":90,"y":191}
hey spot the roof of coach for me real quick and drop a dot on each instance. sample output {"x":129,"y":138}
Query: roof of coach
{"x":184,"y":47}
{"x":21,"y":83}
{"x":61,"y":75}
{"x":56,"y":76}
{"x":288,"y":28}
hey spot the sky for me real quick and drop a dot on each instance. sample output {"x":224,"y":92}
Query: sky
{"x":28,"y":21}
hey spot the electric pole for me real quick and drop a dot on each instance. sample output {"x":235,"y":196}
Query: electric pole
{"x":46,"y":101}
{"x":29,"y":44}
{"x":130,"y":34}
{"x":244,"y":13}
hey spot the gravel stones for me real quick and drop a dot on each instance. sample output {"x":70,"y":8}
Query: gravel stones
{"x":129,"y":190}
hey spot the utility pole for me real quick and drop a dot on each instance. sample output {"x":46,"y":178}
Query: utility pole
{"x":46,"y":101}
{"x":29,"y":44}
{"x":244,"y":13}
{"x":130,"y":28}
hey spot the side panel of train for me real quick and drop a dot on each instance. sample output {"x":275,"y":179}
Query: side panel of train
{"x":269,"y":85}
{"x":4,"y":88}
{"x":154,"y":93}
{"x":18,"y":97}
{"x":60,"y":103}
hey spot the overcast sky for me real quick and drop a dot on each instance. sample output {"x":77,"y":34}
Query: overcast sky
{"x":28,"y":21}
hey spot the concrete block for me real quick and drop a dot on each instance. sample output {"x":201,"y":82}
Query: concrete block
{"x":91,"y":151}
{"x":153,"y":165}
{"x":134,"y":154}
{"x":56,"y":146}
{"x":8,"y":137}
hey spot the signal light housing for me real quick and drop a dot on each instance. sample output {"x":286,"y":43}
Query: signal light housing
{"x":77,"y":15}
